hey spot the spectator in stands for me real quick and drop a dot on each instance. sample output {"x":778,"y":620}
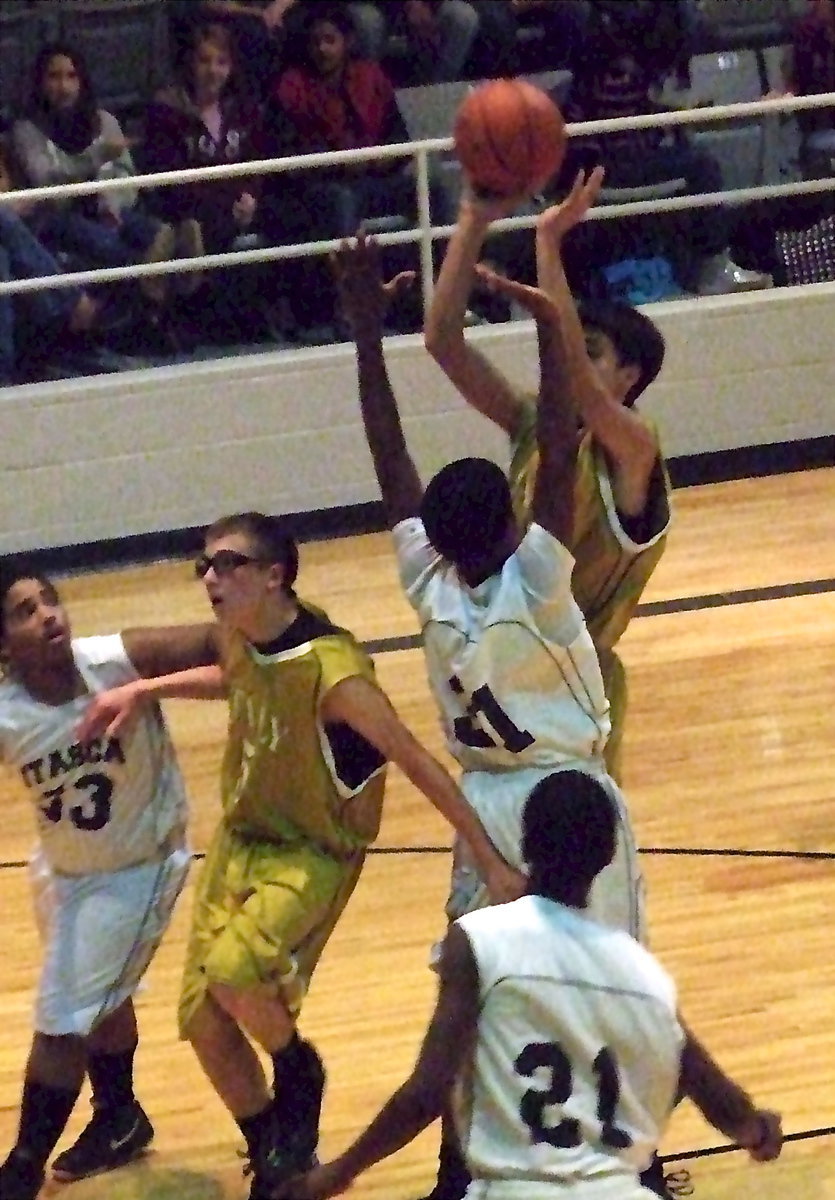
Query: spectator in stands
{"x":438,"y":35}
{"x":65,"y":137}
{"x":337,"y":101}
{"x":36,"y":320}
{"x":517,"y":36}
{"x":809,"y":70}
{"x":629,"y":52}
{"x":203,"y":121}
{"x":258,"y":28}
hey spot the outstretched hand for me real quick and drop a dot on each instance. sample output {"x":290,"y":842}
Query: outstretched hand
{"x":108,"y":711}
{"x":557,"y":220}
{"x":364,"y":297}
{"x":534,"y":300}
{"x":325,"y":1180}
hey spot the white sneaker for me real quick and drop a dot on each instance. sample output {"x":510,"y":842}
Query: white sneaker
{"x":720,"y":275}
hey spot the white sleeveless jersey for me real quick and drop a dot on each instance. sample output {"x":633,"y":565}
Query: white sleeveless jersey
{"x":511,"y":664}
{"x":579,"y":1047}
{"x":102,"y":806}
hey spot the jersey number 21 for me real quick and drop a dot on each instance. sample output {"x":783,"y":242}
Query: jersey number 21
{"x":567,"y":1131}
{"x":483,"y":703}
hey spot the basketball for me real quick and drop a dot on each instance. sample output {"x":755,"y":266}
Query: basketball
{"x":509,"y":137}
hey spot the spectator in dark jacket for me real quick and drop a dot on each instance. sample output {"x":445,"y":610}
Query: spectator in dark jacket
{"x":810,"y":70}
{"x":203,"y":121}
{"x":631,"y":50}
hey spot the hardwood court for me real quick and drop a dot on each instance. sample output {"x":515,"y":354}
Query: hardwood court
{"x":729,"y":778}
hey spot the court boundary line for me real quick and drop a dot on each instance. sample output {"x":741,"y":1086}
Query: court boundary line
{"x":657,"y":608}
{"x":709,"y":1151}
{"x":686,"y":851}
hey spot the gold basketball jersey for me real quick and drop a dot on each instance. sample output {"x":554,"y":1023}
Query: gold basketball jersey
{"x":286,"y":774}
{"x":611,"y":570}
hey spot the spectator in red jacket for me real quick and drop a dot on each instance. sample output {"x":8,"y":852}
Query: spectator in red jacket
{"x":337,"y":101}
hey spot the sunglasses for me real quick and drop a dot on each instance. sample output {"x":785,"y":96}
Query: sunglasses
{"x":224,"y":562}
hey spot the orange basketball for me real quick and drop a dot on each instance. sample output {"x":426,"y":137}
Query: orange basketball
{"x":509,"y":137}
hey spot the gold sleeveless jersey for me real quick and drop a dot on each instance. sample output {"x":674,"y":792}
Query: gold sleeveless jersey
{"x":611,"y":569}
{"x":287,"y":776}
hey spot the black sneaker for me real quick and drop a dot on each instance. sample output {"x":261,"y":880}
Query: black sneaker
{"x":260,"y":1190}
{"x":20,"y":1178}
{"x":283,"y":1150}
{"x":112,"y":1138}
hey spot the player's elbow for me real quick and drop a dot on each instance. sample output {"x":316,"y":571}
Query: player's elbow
{"x":424,"y":1099}
{"x":442,"y":343}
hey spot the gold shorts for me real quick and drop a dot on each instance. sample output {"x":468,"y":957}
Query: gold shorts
{"x":262,"y":915}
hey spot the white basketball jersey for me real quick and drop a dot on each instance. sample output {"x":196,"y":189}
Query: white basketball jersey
{"x":579,"y":1047}
{"x":511,"y":664}
{"x":101,"y":806}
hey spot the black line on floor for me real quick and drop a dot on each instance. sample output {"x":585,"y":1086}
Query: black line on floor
{"x":685,"y":851}
{"x":711,"y":852}
{"x":776,"y":591}
{"x":801,"y":1136}
{"x":656,"y":608}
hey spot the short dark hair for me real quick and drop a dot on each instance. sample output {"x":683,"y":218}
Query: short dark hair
{"x":269,"y":535}
{"x":12,"y":570}
{"x":467,"y":509}
{"x":637,"y":340}
{"x":569,"y":828}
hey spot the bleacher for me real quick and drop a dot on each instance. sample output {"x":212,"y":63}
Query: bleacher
{"x":738,"y":46}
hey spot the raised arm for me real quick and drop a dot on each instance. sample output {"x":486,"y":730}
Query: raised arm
{"x":447,"y":1046}
{"x":628,"y":440}
{"x":556,"y":424}
{"x":367,"y":709}
{"x":480,"y":383}
{"x":365,"y":300}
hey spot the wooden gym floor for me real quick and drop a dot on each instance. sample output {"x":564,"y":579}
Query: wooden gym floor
{"x":729,"y":775}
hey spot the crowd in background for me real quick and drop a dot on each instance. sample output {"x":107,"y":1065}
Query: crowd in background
{"x":269,"y":78}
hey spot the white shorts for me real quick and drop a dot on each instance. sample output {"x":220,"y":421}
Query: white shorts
{"x":610,"y":1187}
{"x":101,"y":932}
{"x":617,"y":895}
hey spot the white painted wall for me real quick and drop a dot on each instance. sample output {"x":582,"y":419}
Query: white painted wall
{"x":145,"y":451}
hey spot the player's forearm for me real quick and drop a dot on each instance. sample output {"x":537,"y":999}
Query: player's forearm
{"x":582,"y":384}
{"x":721,"y":1101}
{"x":445,"y":322}
{"x":427,"y":774}
{"x":396,"y":474}
{"x":556,"y":425}
{"x":198,"y":683}
{"x":409,"y":1111}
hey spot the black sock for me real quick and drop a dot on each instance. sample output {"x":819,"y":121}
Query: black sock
{"x":111,"y":1078}
{"x":44,"y":1112}
{"x":297,"y":1082}
{"x":252,"y":1127}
